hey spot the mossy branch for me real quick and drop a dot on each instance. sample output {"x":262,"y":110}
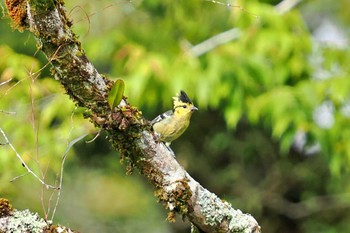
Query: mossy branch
{"x":128,"y":131}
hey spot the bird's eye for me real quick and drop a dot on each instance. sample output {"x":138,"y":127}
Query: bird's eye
{"x":184,"y":106}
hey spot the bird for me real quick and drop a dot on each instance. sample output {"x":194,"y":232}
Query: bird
{"x":173,"y":123}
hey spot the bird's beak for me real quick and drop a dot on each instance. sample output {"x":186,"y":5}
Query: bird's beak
{"x":193,"y":108}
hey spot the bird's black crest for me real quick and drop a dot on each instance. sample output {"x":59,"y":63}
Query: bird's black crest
{"x":184,"y":98}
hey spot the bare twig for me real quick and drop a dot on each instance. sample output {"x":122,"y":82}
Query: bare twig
{"x":214,"y":42}
{"x":4,"y":82}
{"x":3,"y":111}
{"x":286,"y":5}
{"x":94,"y":138}
{"x":72,"y":125}
{"x":42,"y":196}
{"x":35,"y":126}
{"x":232,"y":6}
{"x":20,"y":176}
{"x":234,"y":33}
{"x":62,"y":168}
{"x":24,"y":163}
{"x":8,"y":112}
{"x":13,"y":86}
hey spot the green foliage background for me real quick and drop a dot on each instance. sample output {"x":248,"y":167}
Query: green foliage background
{"x":256,"y":93}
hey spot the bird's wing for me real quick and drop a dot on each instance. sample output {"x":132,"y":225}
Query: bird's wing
{"x":162,"y":117}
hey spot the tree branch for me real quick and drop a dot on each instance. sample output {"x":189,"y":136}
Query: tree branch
{"x":128,"y":131}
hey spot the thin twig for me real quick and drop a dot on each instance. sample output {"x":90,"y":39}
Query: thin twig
{"x":94,"y":138}
{"x":49,"y":207}
{"x":24,"y":163}
{"x":8,"y":112}
{"x":233,"y":6}
{"x":72,"y":125}
{"x":4,"y":82}
{"x":13,"y":86}
{"x":62,"y":168}
{"x":234,"y":33}
{"x":214,"y":42}
{"x":20,"y":176}
{"x":286,"y":5}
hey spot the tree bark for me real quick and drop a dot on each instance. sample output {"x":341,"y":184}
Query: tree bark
{"x":128,"y":131}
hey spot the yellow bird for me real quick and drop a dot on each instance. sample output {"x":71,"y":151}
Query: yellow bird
{"x":173,"y":123}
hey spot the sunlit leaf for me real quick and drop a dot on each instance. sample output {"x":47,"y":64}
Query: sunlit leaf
{"x":116,"y":93}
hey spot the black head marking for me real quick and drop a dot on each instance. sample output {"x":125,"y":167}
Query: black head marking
{"x":184,"y":98}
